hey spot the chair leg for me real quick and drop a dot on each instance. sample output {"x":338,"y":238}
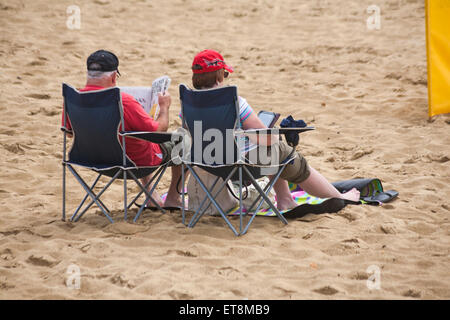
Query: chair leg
{"x":146,"y":186}
{"x":214,"y":202}
{"x":75,"y":219}
{"x":199,"y":213}
{"x":148,"y":195}
{"x":91,"y":194}
{"x":64,"y":169}
{"x":153,"y":189}
{"x":64,"y":192}
{"x":261,"y":192}
{"x":85,"y":198}
{"x":183,"y":196}
{"x":266,"y":191}
{"x":240,"y":201}
{"x":125,"y":191}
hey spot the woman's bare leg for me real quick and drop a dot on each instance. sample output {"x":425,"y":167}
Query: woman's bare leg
{"x":318,"y":186}
{"x":284,"y":197}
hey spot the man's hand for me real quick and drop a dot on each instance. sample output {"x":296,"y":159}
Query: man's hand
{"x":164,"y":101}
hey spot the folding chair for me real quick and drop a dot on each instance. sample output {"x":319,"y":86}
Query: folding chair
{"x":96,"y":118}
{"x":218,"y":109}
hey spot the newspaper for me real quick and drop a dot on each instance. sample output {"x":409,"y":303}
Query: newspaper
{"x":148,"y":96}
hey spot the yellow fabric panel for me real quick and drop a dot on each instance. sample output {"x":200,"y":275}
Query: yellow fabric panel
{"x":438,"y":52}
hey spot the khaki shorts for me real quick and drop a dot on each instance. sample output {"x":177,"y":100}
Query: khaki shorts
{"x":296,"y":171}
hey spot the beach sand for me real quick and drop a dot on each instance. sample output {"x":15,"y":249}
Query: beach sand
{"x":364,"y":90}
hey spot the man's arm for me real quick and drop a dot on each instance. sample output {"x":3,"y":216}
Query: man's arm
{"x":164,"y":101}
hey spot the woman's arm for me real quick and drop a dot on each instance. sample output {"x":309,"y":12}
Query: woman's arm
{"x":253,"y":122}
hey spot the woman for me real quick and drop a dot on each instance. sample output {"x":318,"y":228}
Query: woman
{"x":209,"y":71}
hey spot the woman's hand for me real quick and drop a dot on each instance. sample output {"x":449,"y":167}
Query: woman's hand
{"x":253,"y":122}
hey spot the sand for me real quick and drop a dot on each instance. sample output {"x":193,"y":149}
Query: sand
{"x":364,"y":90}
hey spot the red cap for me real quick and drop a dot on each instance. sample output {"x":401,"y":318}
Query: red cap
{"x":209,"y":61}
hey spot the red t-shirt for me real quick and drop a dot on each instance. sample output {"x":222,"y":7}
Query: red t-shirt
{"x":143,"y":153}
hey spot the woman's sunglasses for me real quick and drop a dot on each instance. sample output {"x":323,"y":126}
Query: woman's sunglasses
{"x":225,"y":73}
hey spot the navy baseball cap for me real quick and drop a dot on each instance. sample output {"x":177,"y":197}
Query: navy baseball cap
{"x":103,"y":60}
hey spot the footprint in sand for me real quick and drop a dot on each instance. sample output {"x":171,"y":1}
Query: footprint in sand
{"x":8,"y":132}
{"x":5,"y":7}
{"x":415,"y":82}
{"x":125,"y":228}
{"x":85,"y":248}
{"x":422,"y":228}
{"x":394,"y":76}
{"x":7,"y":255}
{"x":342,"y":249}
{"x":4,"y":193}
{"x":387,"y":229}
{"x":120,"y":280}
{"x":359,"y":276}
{"x":6,"y":286}
{"x":229,"y":273}
{"x":334,"y":85}
{"x":412,"y":293}
{"x":38,"y":96}
{"x":440,"y":158}
{"x":327,"y":290}
{"x":101,"y":2}
{"x":180,"y":295}
{"x":36,"y":63}
{"x":284,"y":291}
{"x":42,"y":261}
{"x":349,"y":216}
{"x":182,"y":253}
{"x":361,"y":153}
{"x":308,"y":236}
{"x":11,"y":232}
{"x":14,"y":148}
{"x":48,"y":113}
{"x":413,"y":159}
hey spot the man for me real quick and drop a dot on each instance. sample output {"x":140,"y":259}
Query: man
{"x":102,"y":72}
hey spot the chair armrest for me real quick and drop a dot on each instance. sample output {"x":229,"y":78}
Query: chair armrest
{"x":155,"y":137}
{"x":275,"y":130}
{"x":291,"y":134}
